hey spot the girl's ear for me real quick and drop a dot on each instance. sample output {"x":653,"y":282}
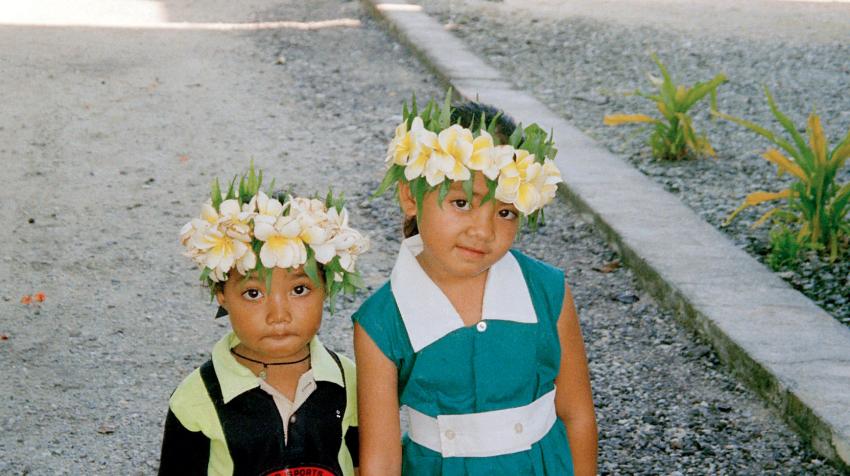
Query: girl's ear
{"x":406,"y":199}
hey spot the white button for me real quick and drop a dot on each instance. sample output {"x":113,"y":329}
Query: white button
{"x":450,"y":435}
{"x":481,"y":326}
{"x":518,"y":428}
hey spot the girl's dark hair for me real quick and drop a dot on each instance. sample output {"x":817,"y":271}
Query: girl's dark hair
{"x":468,"y":114}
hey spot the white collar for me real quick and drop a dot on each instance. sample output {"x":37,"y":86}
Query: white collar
{"x":427,"y":313}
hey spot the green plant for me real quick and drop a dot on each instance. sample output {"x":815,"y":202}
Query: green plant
{"x":814,"y":203}
{"x":673,"y":137}
{"x":784,"y":248}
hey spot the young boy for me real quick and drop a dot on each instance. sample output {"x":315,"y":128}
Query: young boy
{"x":272,"y":400}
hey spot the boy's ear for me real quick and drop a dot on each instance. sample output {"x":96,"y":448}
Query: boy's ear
{"x":219,"y":296}
{"x":406,"y":199}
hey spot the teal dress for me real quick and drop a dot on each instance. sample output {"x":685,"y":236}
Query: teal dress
{"x":509,"y":359}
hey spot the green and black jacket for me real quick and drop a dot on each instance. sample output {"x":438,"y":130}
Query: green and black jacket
{"x":220,"y":422}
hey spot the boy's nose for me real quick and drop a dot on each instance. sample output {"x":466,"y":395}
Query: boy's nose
{"x":278,"y":310}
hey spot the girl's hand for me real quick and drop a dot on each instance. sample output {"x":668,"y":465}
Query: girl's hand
{"x":377,"y":397}
{"x":573,"y":399}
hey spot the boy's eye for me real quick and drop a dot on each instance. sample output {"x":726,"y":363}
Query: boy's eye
{"x":461,"y":204}
{"x":508,"y":213}
{"x":300,"y":290}
{"x":252,"y":294}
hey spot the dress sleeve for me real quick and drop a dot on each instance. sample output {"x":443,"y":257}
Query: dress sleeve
{"x":184,"y":452}
{"x":380,"y":318}
{"x":546,"y":286}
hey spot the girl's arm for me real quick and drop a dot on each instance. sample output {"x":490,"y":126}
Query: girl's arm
{"x":377,"y":399}
{"x":573,"y":400}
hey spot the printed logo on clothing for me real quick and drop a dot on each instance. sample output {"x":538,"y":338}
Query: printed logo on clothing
{"x":303,"y":471}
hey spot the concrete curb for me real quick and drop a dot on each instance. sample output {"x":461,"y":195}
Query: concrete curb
{"x":790,"y":351}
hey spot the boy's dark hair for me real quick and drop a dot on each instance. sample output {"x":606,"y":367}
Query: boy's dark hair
{"x":468,"y":114}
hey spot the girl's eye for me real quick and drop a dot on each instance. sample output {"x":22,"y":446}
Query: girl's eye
{"x":508,"y":214}
{"x":461,"y":204}
{"x":300,"y":290}
{"x":252,"y":294}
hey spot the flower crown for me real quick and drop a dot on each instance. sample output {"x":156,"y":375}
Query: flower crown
{"x":429,"y":152}
{"x":238,"y":226}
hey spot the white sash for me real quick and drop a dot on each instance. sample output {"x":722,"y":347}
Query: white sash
{"x":482,"y":434}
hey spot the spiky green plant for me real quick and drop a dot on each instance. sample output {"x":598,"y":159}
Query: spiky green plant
{"x":814,"y":203}
{"x":673,"y":136}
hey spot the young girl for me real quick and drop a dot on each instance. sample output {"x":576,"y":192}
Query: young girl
{"x":272,"y":400}
{"x":479,"y":343}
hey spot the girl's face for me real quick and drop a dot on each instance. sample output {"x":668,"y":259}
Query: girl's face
{"x":273,"y":323}
{"x":462,"y":239}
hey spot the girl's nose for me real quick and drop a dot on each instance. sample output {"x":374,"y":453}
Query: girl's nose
{"x":482,"y":226}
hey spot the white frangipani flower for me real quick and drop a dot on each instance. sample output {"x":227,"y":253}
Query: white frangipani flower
{"x":282,"y":246}
{"x":267,"y":209}
{"x":424,"y":142}
{"x":451,"y":150}
{"x":217,"y":250}
{"x":528,"y":184}
{"x":404,"y":142}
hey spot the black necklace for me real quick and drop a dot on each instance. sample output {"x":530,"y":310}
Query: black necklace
{"x":265,"y":365}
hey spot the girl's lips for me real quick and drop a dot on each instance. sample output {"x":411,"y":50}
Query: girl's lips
{"x":472,"y":251}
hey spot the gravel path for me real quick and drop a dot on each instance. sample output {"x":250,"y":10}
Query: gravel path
{"x":109,"y":143}
{"x":581,"y":60}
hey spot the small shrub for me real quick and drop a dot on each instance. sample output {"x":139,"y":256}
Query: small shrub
{"x":673,"y":137}
{"x":815,"y":205}
{"x":784,"y":248}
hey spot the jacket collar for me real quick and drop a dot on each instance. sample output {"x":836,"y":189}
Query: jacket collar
{"x":236,"y":379}
{"x":427,"y":313}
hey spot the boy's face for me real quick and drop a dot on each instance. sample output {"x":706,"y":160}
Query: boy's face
{"x":275,"y":323}
{"x":462,"y":239}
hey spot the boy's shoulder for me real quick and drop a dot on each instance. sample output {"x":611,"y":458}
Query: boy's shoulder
{"x":190,"y":402}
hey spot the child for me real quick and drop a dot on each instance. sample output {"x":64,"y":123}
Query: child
{"x":272,"y":400}
{"x":480,"y":343}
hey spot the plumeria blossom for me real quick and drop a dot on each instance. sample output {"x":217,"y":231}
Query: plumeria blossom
{"x":313,"y":218}
{"x":487,"y":157}
{"x":450,"y":151}
{"x":428,"y":152}
{"x":527,"y":183}
{"x":455,"y":145}
{"x":218,"y":250}
{"x":266,"y":209}
{"x":404,"y":142}
{"x":247,"y":230}
{"x":282,"y":246}
{"x":419,"y":157}
{"x":516,"y":183}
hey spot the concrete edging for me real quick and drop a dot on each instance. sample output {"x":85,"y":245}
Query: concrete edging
{"x":777,"y":341}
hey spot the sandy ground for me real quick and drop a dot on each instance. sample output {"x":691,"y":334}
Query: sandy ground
{"x":804,"y":20}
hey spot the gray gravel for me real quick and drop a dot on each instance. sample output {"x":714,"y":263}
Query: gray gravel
{"x":583,"y":68}
{"x":87,"y":374}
